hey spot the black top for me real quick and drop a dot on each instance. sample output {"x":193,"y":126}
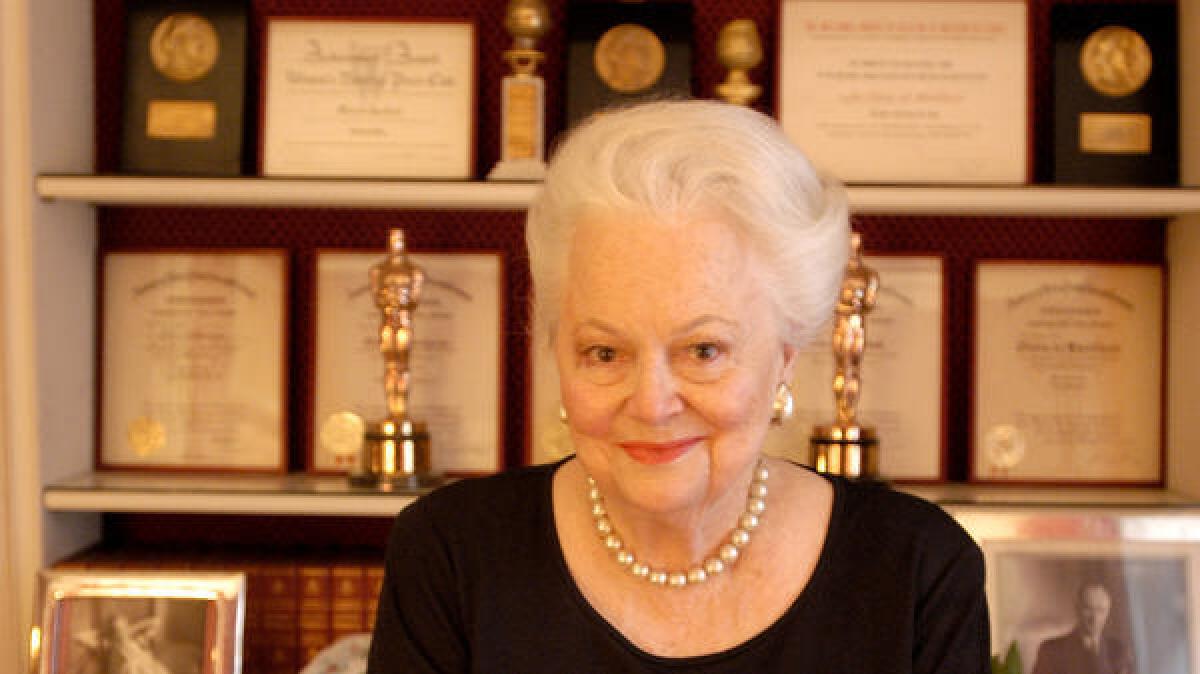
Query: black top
{"x":476,"y":582}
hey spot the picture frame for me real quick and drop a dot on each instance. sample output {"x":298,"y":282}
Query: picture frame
{"x":192,"y":360}
{"x":1068,"y":373}
{"x":463,"y":298}
{"x":368,"y":97}
{"x":181,"y":622}
{"x":903,"y":374}
{"x":1123,"y":577}
{"x":920,"y":91}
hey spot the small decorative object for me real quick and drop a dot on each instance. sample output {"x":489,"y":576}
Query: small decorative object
{"x":396,"y":448}
{"x":150,"y":622}
{"x":740,"y":50}
{"x":522,"y":98}
{"x":846,"y":447}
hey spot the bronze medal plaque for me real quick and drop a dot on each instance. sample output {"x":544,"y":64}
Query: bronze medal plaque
{"x":184,"y":47}
{"x":1115,"y":61}
{"x":629,"y":58}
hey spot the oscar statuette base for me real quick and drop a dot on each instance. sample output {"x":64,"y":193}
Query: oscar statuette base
{"x":850,"y":451}
{"x":395,"y":456}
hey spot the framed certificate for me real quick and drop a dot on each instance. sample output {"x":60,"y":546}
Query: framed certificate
{"x":903,"y":378}
{"x":907,"y":91}
{"x":368,"y":98}
{"x":192,"y":360}
{"x":457,"y":372}
{"x":1124,"y":579}
{"x":1068,"y":373}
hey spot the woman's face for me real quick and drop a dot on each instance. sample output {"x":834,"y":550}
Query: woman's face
{"x":669,"y":355}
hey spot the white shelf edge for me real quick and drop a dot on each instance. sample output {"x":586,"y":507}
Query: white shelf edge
{"x":285,"y":192}
{"x":212,"y":500}
{"x":866,"y":200}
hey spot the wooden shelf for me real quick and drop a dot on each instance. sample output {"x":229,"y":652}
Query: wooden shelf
{"x":322,"y":193}
{"x":294,"y":494}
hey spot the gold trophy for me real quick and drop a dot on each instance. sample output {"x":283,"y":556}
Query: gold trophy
{"x":846,"y":447}
{"x":523,"y":119}
{"x":395,"y":451}
{"x":740,"y":50}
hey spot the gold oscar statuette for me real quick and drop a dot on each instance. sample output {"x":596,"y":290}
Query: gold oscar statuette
{"x":740,"y":50}
{"x":847,"y":447}
{"x":395,"y":448}
{"x":523,"y":118}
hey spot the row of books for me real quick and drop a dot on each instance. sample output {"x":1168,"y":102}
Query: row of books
{"x":297,"y":603}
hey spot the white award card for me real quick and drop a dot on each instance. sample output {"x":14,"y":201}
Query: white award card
{"x":906,"y":91}
{"x":457,"y":375}
{"x":369,"y":98}
{"x":1068,"y":373}
{"x":902,"y":374}
{"x":193,"y":360}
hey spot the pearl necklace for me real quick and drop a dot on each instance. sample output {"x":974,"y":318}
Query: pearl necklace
{"x":724,"y":557}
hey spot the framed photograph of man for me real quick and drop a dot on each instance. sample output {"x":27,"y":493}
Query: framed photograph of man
{"x":1092,"y":592}
{"x":118,"y":622}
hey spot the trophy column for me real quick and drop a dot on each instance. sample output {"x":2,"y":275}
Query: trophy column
{"x":847,"y":447}
{"x":395,"y":448}
{"x":740,"y":50}
{"x":523,"y":118}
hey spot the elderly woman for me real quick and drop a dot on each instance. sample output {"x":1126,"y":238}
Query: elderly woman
{"x":681,"y":253}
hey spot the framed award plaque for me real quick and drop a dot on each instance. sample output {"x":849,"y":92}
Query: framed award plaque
{"x":1116,"y":94}
{"x":369,"y":98}
{"x":192,"y":358}
{"x":620,"y":52}
{"x":185,"y":81}
{"x":1068,"y":376}
{"x":456,"y":370}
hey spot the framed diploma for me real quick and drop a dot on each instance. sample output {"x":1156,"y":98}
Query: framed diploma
{"x":907,"y":91}
{"x":1068,"y":374}
{"x":368,"y":98}
{"x":192,"y":360}
{"x":902,"y":374}
{"x":455,"y":364}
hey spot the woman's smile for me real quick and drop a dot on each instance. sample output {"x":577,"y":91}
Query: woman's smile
{"x":653,"y":453}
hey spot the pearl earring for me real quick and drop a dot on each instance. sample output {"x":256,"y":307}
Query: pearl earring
{"x":782,"y":407}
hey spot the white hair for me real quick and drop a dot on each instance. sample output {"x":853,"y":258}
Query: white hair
{"x":671,"y":160}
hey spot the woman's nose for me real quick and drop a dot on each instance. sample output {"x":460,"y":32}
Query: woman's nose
{"x":655,"y":396}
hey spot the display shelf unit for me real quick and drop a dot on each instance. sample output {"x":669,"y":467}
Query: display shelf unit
{"x":867,"y":200}
{"x":48,"y":295}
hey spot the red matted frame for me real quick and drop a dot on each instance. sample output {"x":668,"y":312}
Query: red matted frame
{"x":1030,"y":90}
{"x":1016,"y":441}
{"x":312,"y":423}
{"x":148,"y":433}
{"x":471,"y":86}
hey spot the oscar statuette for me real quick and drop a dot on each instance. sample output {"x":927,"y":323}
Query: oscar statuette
{"x":395,"y":452}
{"x":523,"y":118}
{"x":847,"y":447}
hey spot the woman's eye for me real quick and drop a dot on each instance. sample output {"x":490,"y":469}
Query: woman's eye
{"x":705,"y":351}
{"x":600,"y":354}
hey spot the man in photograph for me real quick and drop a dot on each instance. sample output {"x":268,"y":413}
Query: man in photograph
{"x":1086,"y":649}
